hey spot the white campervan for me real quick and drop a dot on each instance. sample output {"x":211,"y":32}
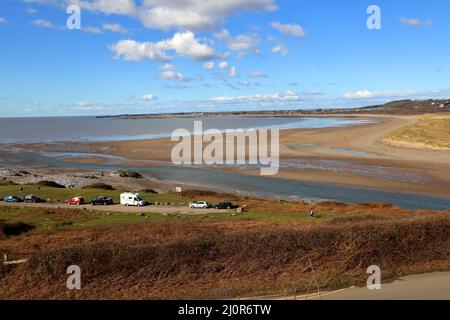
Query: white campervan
{"x":132,"y":199}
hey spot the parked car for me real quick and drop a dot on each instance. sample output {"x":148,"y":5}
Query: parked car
{"x":132,"y":199}
{"x":76,"y":201}
{"x":12,"y":199}
{"x":32,"y":199}
{"x":102,"y":201}
{"x":224,"y":205}
{"x":200,"y":205}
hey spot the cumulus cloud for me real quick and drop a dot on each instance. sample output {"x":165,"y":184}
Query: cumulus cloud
{"x":172,"y":75}
{"x":232,"y":72}
{"x":414,"y":22}
{"x":148,"y":97}
{"x":187,"y":45}
{"x":242,"y":43}
{"x":223,"y":65}
{"x":114,"y":27}
{"x":167,"y":66}
{"x":184,"y":44}
{"x":281,"y":50}
{"x":293,"y":29}
{"x":257,"y":74}
{"x":198,"y":15}
{"x":131,"y":50}
{"x":121,"y":7}
{"x":208,"y":65}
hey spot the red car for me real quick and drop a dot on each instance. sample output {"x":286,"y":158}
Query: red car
{"x":76,"y":200}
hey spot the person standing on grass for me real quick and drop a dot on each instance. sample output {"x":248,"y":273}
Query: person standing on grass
{"x":311,"y":213}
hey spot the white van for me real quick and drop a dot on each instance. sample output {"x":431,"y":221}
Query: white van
{"x":132,"y":199}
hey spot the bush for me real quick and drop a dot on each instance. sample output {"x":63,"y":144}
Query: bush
{"x":130,"y":174}
{"x":100,"y":185}
{"x":51,"y":184}
{"x":149,"y":191}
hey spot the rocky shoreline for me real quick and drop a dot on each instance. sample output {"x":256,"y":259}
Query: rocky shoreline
{"x":126,"y":180}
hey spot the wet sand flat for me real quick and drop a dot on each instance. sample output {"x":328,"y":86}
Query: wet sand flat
{"x":429,"y":170}
{"x":352,"y":156}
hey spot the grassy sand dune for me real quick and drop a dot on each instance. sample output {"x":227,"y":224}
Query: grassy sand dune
{"x":432,"y":132}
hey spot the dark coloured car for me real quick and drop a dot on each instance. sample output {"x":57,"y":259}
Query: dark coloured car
{"x":32,"y":199}
{"x":105,"y":201}
{"x":224,"y":205}
{"x":12,"y":199}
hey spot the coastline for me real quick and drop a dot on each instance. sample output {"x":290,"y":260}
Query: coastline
{"x":353,"y":156}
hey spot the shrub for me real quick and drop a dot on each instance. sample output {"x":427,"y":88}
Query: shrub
{"x":130,"y":174}
{"x":100,"y":185}
{"x":51,"y":184}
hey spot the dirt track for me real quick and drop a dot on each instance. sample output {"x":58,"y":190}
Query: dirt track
{"x":119,"y":208}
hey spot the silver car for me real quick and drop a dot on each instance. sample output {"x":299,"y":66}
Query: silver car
{"x":200,"y":205}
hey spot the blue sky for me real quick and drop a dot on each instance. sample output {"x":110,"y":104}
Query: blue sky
{"x":153,"y":56}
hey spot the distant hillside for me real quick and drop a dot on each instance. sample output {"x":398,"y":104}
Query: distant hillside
{"x":410,"y":107}
{"x":402,"y":107}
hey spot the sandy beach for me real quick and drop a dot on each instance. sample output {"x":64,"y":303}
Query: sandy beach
{"x":353,"y":156}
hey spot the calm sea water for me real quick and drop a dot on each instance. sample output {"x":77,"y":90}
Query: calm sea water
{"x":30,"y":130}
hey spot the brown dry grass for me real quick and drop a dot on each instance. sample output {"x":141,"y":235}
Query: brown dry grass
{"x":432,"y":132}
{"x":201,"y":260}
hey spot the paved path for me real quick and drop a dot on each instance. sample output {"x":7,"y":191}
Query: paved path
{"x":119,"y":208}
{"x":429,"y":286}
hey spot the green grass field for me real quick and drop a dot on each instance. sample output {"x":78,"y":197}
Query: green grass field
{"x":61,"y":195}
{"x":45,"y":219}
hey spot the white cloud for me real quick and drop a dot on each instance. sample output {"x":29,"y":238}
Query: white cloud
{"x":361,"y":94}
{"x":167,"y":66}
{"x":131,"y":50}
{"x":289,"y":29}
{"x":84,"y":104}
{"x":184,"y":44}
{"x":257,"y":74}
{"x":414,"y":22}
{"x":288,"y":95}
{"x":148,"y":97}
{"x":121,"y":7}
{"x":3,"y":20}
{"x":242,"y":43}
{"x":232,"y":72}
{"x":367,"y":94}
{"x":208,"y":65}
{"x":223,"y":65}
{"x":172,"y":75}
{"x":114,"y":27}
{"x":198,"y":15}
{"x":281,"y":50}
{"x":42,"y":23}
{"x":93,"y":30}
